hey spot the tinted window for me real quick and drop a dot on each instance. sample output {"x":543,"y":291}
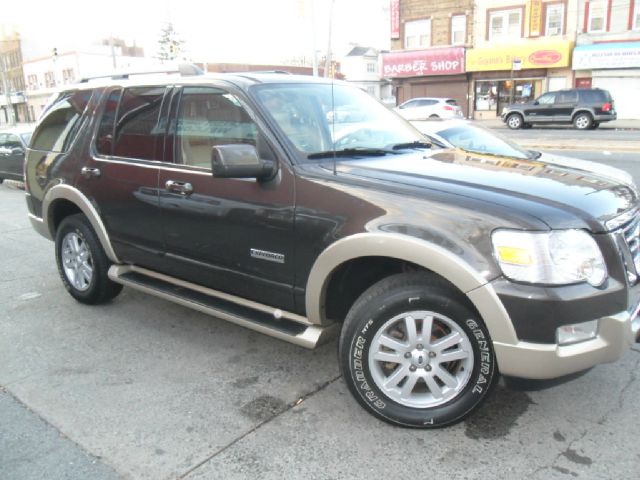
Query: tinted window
{"x":452,"y":101}
{"x":137,"y":133}
{"x":60,"y":122}
{"x":594,"y":96}
{"x":570,"y":96}
{"x":209,"y":117}
{"x":10,"y":141}
{"x":104,"y":140}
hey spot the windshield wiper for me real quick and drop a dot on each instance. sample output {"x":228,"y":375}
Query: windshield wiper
{"x":534,"y":154}
{"x":352,"y":152}
{"x":416,"y":144}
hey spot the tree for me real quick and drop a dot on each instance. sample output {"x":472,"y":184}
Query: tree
{"x":169,"y":44}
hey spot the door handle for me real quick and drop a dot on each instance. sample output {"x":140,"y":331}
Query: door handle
{"x":183,"y":188}
{"x":88,"y":172}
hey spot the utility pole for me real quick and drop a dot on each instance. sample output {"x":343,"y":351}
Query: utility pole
{"x":327,"y":62}
{"x":4,"y":71}
{"x":313,"y":38}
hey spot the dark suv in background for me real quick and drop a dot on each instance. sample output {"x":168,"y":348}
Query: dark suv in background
{"x":584,"y":108}
{"x":241,"y":196}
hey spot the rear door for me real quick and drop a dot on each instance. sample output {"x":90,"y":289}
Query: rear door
{"x":121,"y":177}
{"x":230,"y":234}
{"x":564,"y":105}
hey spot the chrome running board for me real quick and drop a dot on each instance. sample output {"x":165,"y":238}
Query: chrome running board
{"x":271,"y":321}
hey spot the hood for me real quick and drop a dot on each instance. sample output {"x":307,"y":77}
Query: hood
{"x":560,"y":193}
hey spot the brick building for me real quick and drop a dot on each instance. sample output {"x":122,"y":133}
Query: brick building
{"x":428,"y":42}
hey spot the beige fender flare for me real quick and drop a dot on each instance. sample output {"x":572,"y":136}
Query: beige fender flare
{"x":411,"y":249}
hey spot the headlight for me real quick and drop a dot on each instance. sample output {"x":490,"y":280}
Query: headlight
{"x":559,"y":257}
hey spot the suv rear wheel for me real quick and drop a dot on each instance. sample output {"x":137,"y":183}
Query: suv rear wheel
{"x":514,"y":121}
{"x":583,"y":121}
{"x":82,"y":262}
{"x":414,"y":354}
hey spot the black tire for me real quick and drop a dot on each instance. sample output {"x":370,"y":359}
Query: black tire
{"x":526,"y":126}
{"x":515,"y":121}
{"x":583,"y":121}
{"x":595,"y":125}
{"x":433,"y":116}
{"x":419,"y":294}
{"x":99,"y":289}
{"x":1,"y":180}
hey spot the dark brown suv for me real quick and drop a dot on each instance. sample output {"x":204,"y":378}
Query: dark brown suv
{"x":249,"y":198}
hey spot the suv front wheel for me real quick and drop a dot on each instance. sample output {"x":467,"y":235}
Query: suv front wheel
{"x":414,"y":354}
{"x":82,"y":262}
{"x":583,"y":121}
{"x":514,"y":121}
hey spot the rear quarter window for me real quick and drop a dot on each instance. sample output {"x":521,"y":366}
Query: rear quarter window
{"x":594,"y":96}
{"x":61,"y":122}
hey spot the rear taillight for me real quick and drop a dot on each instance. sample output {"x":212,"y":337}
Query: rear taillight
{"x":606,"y":107}
{"x":447,"y":107}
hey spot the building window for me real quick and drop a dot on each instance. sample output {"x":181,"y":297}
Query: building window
{"x":417,"y":34}
{"x":636,"y":15}
{"x":505,"y":24}
{"x":68,"y":75}
{"x":458,"y":29}
{"x":371,"y":91}
{"x":32,"y":81}
{"x":49,"y":79}
{"x":597,"y":14}
{"x":371,"y":67}
{"x":554,"y":14}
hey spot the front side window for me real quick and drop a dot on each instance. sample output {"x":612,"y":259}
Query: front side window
{"x":10,"y":141}
{"x":137,"y":133}
{"x":597,"y":12}
{"x":208,"y":117}
{"x":458,"y":29}
{"x":554,"y":19}
{"x":104,"y":139}
{"x":56,"y":130}
{"x":547,"y":99}
{"x":417,"y":34}
{"x":505,"y":24}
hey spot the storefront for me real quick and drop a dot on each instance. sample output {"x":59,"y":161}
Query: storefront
{"x":516,"y":74}
{"x":433,"y":72}
{"x":614,"y":67}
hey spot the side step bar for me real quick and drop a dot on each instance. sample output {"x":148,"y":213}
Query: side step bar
{"x":256,"y":316}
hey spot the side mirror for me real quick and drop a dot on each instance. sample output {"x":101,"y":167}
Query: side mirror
{"x":240,"y":161}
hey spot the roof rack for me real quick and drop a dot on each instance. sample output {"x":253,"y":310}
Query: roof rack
{"x":184,"y":69}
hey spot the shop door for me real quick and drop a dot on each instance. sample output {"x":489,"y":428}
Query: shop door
{"x":625,"y":92}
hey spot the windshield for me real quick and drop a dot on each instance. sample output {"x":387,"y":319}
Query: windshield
{"x":479,"y":140}
{"x":320,"y":118}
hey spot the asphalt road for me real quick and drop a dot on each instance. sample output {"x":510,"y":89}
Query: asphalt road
{"x":145,"y":389}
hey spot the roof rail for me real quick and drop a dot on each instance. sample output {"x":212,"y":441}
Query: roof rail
{"x":249,"y":72}
{"x":184,"y":69}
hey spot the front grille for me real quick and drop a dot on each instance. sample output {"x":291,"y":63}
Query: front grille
{"x":631,"y":233}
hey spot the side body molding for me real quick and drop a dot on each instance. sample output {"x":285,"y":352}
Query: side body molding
{"x":75,"y":196}
{"x":411,"y":249}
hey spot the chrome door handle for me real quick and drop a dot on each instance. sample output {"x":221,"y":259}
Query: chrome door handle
{"x":183,"y":188}
{"x":88,"y":172}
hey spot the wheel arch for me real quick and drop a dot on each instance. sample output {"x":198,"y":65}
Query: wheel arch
{"x":452,"y":268}
{"x":583,"y":110}
{"x":62,"y":200}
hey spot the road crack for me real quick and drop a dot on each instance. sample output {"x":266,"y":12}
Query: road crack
{"x":288,"y":408}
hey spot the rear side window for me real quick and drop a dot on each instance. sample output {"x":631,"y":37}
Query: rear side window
{"x":61,"y":121}
{"x":452,"y":101}
{"x":104,"y":141}
{"x":594,"y":96}
{"x":137,"y":133}
{"x":570,"y":96}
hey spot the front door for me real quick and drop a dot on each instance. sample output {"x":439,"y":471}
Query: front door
{"x":542,"y":109}
{"x":233,"y":235}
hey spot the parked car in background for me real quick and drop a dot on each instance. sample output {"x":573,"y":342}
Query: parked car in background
{"x":13,"y":146}
{"x":431,"y":107}
{"x":473,"y":138}
{"x":584,"y":108}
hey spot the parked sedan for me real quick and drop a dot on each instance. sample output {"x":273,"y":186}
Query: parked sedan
{"x":13,"y":145}
{"x":423,"y":108}
{"x":473,"y":138}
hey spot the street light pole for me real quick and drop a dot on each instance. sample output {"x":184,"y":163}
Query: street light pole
{"x":5,"y":87}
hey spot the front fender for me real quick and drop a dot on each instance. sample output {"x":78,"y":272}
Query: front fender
{"x":432,"y":257}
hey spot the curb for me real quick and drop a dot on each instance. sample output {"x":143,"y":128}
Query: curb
{"x":582,"y":148}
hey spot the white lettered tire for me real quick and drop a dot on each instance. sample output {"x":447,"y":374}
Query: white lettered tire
{"x":414,"y":353}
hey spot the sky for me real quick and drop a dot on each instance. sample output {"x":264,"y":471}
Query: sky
{"x":241,"y":31}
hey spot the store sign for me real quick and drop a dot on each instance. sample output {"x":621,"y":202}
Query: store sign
{"x":395,"y":19}
{"x":434,"y":61}
{"x":603,"y":55}
{"x":532,"y":55}
{"x":535,"y":18}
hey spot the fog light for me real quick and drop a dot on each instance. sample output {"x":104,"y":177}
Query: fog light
{"x":577,"y":332}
